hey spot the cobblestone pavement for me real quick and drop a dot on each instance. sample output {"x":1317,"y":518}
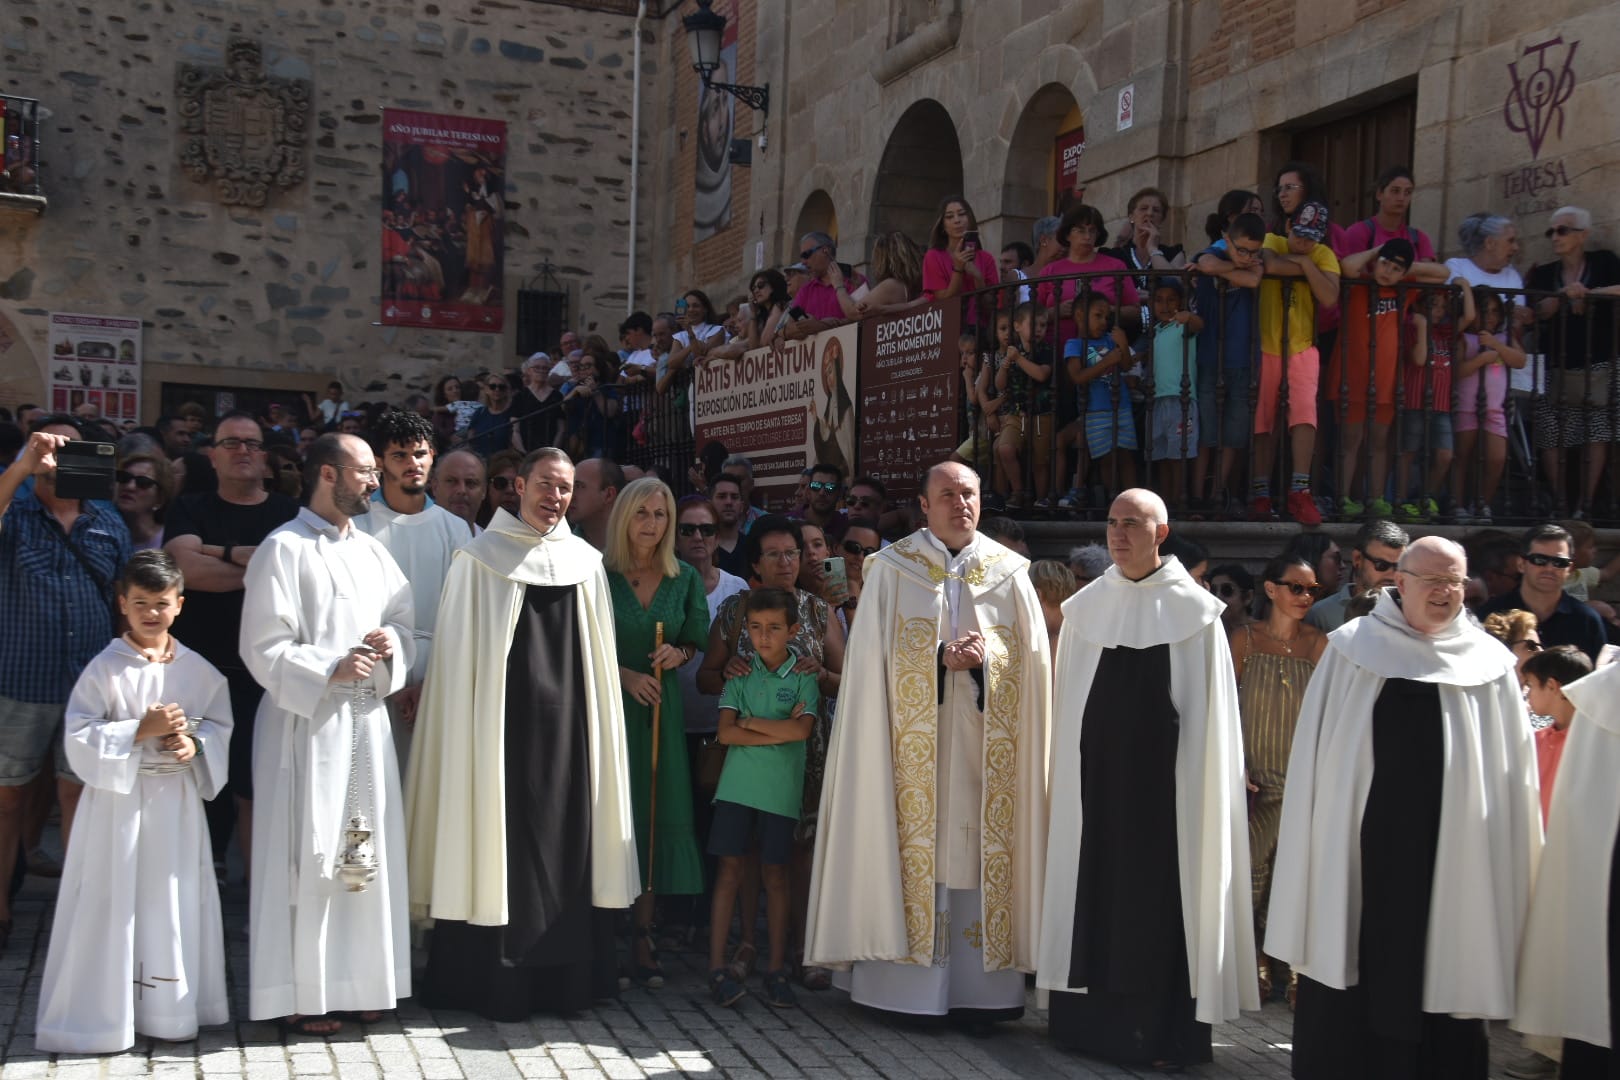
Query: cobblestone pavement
{"x":675,"y":1030}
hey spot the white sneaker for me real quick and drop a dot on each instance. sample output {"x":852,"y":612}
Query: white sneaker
{"x":1532,"y":1066}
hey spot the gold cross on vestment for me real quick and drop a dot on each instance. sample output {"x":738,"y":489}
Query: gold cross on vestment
{"x":144,"y":986}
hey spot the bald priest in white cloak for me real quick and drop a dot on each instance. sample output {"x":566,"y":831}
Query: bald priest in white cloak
{"x":1569,"y":980}
{"x":1411,"y":827}
{"x":518,"y":799}
{"x":1148,"y":938}
{"x":926,"y":886}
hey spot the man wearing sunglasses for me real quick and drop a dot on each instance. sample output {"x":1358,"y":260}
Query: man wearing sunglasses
{"x":1379,"y":544}
{"x":1544,"y":562}
{"x":819,"y":296}
{"x":1411,"y":826}
{"x":825,"y":491}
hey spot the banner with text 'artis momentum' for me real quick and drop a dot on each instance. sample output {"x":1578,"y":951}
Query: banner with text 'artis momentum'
{"x":785,"y":408}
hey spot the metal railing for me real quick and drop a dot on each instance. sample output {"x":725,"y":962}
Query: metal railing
{"x":1522,"y":439}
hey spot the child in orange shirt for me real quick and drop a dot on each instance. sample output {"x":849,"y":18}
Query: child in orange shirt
{"x":1545,"y":676}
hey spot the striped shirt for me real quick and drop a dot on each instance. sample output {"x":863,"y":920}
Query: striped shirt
{"x":56,"y":616}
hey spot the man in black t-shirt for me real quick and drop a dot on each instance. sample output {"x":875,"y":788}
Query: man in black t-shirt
{"x":212,"y":535}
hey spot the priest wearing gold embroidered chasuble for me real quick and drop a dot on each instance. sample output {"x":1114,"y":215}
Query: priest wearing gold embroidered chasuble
{"x":1148,"y":938}
{"x":925,"y":893}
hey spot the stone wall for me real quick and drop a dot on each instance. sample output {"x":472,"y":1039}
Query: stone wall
{"x":287,"y":295}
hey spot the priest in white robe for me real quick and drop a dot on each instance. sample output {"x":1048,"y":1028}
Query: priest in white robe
{"x":522,"y":844}
{"x":137,"y":946}
{"x":925,"y":890}
{"x":1411,"y":827}
{"x":1148,"y":938}
{"x":419,"y":534}
{"x":327,"y":631}
{"x":1569,"y":979}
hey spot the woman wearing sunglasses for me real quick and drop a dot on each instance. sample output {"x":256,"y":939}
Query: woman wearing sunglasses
{"x":860,"y":541}
{"x":1274,"y":656}
{"x":145,"y":485}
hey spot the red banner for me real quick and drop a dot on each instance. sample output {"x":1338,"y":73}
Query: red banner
{"x":443,"y":179}
{"x":1069,"y":146}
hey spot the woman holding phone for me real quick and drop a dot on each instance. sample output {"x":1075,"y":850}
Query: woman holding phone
{"x":956,"y":262}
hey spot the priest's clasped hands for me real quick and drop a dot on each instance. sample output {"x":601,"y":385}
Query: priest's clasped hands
{"x":965,"y":653}
{"x":358,"y":664}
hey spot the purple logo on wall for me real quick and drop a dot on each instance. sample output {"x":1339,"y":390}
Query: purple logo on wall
{"x":1535,"y":104}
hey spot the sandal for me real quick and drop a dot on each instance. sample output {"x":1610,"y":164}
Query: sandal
{"x":318,"y":1026}
{"x":1264,"y":963}
{"x":1293,"y":989}
{"x":743,"y":960}
{"x":363,"y":1016}
{"x":649,"y":975}
{"x":817,"y":978}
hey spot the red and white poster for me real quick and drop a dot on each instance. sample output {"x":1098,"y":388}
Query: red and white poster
{"x":785,"y":408}
{"x":95,"y":361}
{"x":443,"y":214}
{"x":1067,"y":149}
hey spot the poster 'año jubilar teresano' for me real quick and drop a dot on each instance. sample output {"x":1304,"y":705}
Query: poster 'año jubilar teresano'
{"x":443,"y":212}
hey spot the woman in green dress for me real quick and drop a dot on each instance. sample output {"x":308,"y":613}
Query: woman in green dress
{"x":649,"y":587}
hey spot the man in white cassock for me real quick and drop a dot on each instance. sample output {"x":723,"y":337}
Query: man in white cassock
{"x":1411,"y":827}
{"x":925,"y":891}
{"x":1569,"y":978}
{"x":1148,"y":938}
{"x":327,"y":631}
{"x":522,"y":844}
{"x":419,"y":534}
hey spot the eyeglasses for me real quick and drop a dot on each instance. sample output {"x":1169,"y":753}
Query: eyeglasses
{"x":693,"y":528}
{"x":1435,"y":581}
{"x":758,"y":285}
{"x":1226,"y":590}
{"x":1562,"y":230}
{"x":1298,"y":588}
{"x":823,"y":485}
{"x":1536,"y":558}
{"x":233,"y":445}
{"x":1289,"y":187}
{"x":1247,"y":252}
{"x":1530,"y":643}
{"x":144,"y":483}
{"x":858,"y":550}
{"x":288,"y":466}
{"x":372,"y":473}
{"x":501,"y":483}
{"x":1383,"y":566}
{"x":781,"y":556}
{"x":495,"y":387}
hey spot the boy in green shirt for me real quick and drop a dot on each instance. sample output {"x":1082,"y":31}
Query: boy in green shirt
{"x":765,"y":716}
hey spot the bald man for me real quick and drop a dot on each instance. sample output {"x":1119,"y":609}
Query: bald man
{"x":1411,"y":825}
{"x":1146,"y":937}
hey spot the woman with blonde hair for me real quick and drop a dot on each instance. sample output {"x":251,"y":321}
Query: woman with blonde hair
{"x":897,"y":273}
{"x":1518,"y":630}
{"x":145,"y":485}
{"x":649,"y":587}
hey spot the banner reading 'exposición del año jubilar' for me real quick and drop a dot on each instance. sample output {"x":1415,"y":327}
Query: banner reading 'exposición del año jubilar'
{"x":443,"y":211}
{"x":785,"y":408}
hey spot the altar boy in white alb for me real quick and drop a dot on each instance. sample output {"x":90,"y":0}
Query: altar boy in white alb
{"x":137,"y":946}
{"x":326,"y":630}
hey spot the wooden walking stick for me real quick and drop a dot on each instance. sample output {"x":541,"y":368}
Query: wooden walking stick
{"x":652,"y":800}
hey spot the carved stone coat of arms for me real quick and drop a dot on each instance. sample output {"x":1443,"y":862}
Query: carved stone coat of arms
{"x":242,"y":129}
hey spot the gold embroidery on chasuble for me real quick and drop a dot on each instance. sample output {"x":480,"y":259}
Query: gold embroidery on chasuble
{"x":1005,"y":680}
{"x":914,"y":733}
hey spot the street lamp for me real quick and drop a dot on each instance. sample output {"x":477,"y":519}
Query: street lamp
{"x":704,"y":31}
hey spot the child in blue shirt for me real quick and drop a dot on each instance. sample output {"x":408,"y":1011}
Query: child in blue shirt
{"x":765,"y":717}
{"x":1096,"y":364}
{"x":1174,"y":354}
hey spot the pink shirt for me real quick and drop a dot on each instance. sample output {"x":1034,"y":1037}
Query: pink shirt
{"x":1549,"y":751}
{"x":1125,"y":283}
{"x":1367,"y":234}
{"x":819,"y":301}
{"x":938,"y":267}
